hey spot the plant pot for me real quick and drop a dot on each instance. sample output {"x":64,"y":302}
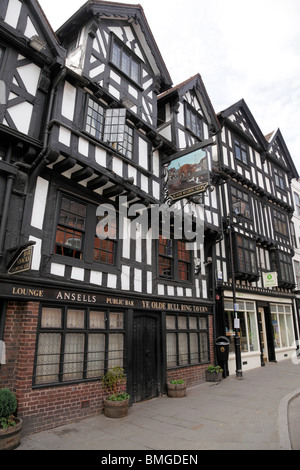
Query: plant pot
{"x":213,"y":376}
{"x":116,"y":409}
{"x":10,"y":437}
{"x":176,"y":390}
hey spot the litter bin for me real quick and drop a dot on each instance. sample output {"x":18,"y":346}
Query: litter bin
{"x":222,"y":351}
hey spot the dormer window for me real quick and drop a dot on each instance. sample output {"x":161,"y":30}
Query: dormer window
{"x":122,"y":59}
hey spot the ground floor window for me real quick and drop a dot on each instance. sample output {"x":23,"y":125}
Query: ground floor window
{"x":77,"y":344}
{"x":187,"y":340}
{"x":248,"y":325}
{"x":282,"y":324}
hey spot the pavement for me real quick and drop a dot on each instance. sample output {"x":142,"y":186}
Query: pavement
{"x":260,"y":411}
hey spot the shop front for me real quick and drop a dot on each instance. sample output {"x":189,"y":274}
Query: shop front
{"x":267,"y":331}
{"x":59,"y":343}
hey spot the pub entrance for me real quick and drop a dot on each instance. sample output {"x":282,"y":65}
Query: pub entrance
{"x":146,"y":356}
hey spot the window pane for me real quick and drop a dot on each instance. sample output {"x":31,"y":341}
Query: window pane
{"x":290,"y":330}
{"x":51,"y":318}
{"x":96,"y":355}
{"x":283,"y":335}
{"x":75,"y":319}
{"x":193,"y":323}
{"x":115,"y":350}
{"x":171,"y":350}
{"x":48,"y":355}
{"x":194,"y":348}
{"x":73,"y":357}
{"x":97,"y":320}
{"x":252,"y":332}
{"x":182,"y":323}
{"x":276,"y":331}
{"x":183,"y":348}
{"x":116,"y":320}
{"x":204,"y":350}
{"x":170,"y":322}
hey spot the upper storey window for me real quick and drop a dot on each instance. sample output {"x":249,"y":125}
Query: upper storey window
{"x":109,"y":125}
{"x":193,"y":122}
{"x":279,"y":178}
{"x":241,"y":151}
{"x":122,"y":59}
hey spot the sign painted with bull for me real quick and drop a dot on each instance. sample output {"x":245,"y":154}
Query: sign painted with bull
{"x":188,"y":175}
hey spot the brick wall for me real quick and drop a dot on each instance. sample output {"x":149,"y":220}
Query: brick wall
{"x":48,"y":407}
{"x":42,"y":408}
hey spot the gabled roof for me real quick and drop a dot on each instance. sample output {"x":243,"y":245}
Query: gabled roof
{"x":240,"y":119}
{"x":194,"y":83}
{"x":280,"y":154}
{"x":133,"y":14}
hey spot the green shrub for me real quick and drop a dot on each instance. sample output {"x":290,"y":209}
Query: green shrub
{"x":8,"y":405}
{"x":176,"y":382}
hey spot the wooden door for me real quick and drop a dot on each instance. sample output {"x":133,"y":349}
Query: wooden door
{"x":146,"y":357}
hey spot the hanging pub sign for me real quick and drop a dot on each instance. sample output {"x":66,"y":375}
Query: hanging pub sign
{"x":188,"y":174}
{"x":22,"y":259}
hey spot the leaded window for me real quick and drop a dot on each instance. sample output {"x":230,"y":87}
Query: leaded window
{"x":174,"y":259}
{"x":187,"y":340}
{"x":193,"y":122}
{"x":76,"y":344}
{"x":125,"y":61}
{"x":246,"y":259}
{"x":280,"y":223}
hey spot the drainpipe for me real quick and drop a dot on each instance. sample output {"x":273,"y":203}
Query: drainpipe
{"x":38,"y":164}
{"x":6,"y":204}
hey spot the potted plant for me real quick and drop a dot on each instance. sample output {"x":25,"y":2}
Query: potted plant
{"x":213,"y":374}
{"x":176,"y":388}
{"x":117,"y":402}
{"x":10,"y":426}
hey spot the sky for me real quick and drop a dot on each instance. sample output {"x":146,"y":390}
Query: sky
{"x":241,"y":48}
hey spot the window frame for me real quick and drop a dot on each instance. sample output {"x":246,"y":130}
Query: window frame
{"x":120,"y":64}
{"x":245,"y":198}
{"x":197,"y":128}
{"x":279,"y":178}
{"x":89,"y":237}
{"x":245,"y":255}
{"x":179,"y":331}
{"x":85,"y":331}
{"x":280,"y":223}
{"x":126,"y":146}
{"x":285,"y":268}
{"x":176,"y":262}
{"x":241,"y":150}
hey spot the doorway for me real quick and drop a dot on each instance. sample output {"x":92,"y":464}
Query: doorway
{"x":146,"y":357}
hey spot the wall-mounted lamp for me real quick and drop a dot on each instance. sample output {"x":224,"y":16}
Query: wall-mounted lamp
{"x":37,"y":43}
